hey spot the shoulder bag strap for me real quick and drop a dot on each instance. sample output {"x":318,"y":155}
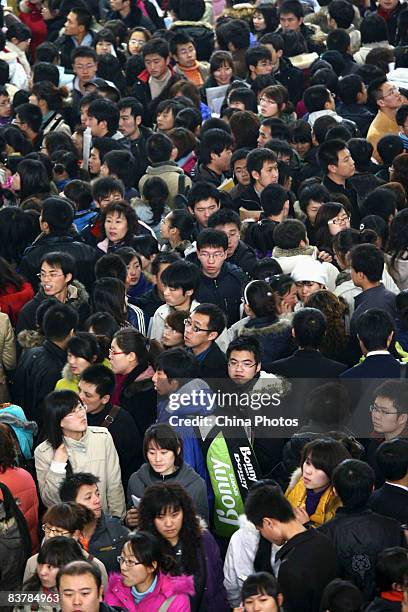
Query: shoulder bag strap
{"x":113,"y":413}
{"x":166,"y":604}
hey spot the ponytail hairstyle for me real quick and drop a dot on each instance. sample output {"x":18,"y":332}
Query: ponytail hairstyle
{"x":129,"y":340}
{"x":156,"y":193}
{"x":52,"y":95}
{"x":376,"y":224}
{"x":259,"y":297}
{"x":347,"y":238}
{"x":261,"y":237}
{"x":281,"y":283}
{"x":334,"y":309}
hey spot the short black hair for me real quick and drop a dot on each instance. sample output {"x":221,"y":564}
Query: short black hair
{"x":31,"y":115}
{"x":234,"y":31}
{"x":273,"y":198}
{"x":136,"y":108}
{"x":382,"y":202}
{"x":202,"y":191}
{"x":245,"y":96}
{"x":289,"y":233}
{"x":328,"y":153}
{"x":163,"y":258}
{"x":58,"y":213}
{"x":223,"y":216}
{"x":397,"y":392}
{"x":178,"y":364}
{"x":341,"y":596}
{"x":159,"y":148}
{"x":105,"y":185}
{"x":315,"y":97}
{"x":62,"y":260}
{"x":257,"y":158}
{"x":180,"y":38}
{"x":368,"y":259}
{"x":84,"y":51}
{"x":103,"y":109}
{"x":338,"y":40}
{"x":212,"y":238}
{"x":354,"y":482}
{"x":217,"y":320}
{"x":44,"y":71}
{"x":112,"y":266}
{"x":100,"y":376}
{"x":80,"y":568}
{"x":58,"y":321}
{"x":349,"y":86}
{"x":374,"y":327}
{"x":342,"y":12}
{"x":156,"y":45}
{"x":391,"y":568}
{"x":79,"y":192}
{"x":392,"y":458}
{"x":267,"y":501}
{"x":121,"y":164}
{"x":68,"y":489}
{"x":182,"y":275}
{"x":255,"y":54}
{"x":373,"y":29}
{"x":246,"y":343}
{"x":309,"y":325}
{"x":214,"y":141}
{"x":46,"y":52}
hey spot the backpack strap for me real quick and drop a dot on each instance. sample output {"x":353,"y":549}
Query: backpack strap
{"x":166,"y":604}
{"x":182,"y":184}
{"x":108,"y":420}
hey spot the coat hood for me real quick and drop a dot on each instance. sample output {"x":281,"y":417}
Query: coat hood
{"x":294,"y":479}
{"x":166,"y":585}
{"x":30,"y":338}
{"x":257,"y":327}
{"x":162,"y":168}
{"x":185,"y":475}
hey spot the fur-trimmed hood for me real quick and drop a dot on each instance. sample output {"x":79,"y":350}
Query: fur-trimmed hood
{"x":25,"y":6}
{"x":294,"y":479}
{"x":270,"y":383}
{"x":30,"y":338}
{"x":254,"y":327}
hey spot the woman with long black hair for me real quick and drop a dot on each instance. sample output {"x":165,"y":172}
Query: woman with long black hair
{"x":169,"y":513}
{"x":30,"y":180}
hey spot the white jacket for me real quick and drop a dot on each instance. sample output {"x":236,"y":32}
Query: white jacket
{"x":156,"y":327}
{"x":95,"y":453}
{"x":240,"y":557}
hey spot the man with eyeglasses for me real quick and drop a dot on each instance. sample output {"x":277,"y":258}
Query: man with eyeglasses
{"x":338,"y":166}
{"x":56,"y":281}
{"x":388,"y":100}
{"x":221,"y":283}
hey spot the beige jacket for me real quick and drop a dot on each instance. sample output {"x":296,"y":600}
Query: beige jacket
{"x":31,"y":568}
{"x":8,"y":354}
{"x":94,"y":453}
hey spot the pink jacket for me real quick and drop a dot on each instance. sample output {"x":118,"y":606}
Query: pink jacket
{"x":117,"y":594}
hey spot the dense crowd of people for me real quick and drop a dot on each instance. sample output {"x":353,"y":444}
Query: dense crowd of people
{"x":204,"y":305}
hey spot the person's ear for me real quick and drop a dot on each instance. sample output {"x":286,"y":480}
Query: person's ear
{"x":331,"y":167}
{"x":279,"y":599}
{"x":68,"y":277}
{"x":168,"y":60}
{"x":105,"y":399}
{"x":100,"y":594}
{"x":138,"y":120}
{"x":252,"y":68}
{"x":293,"y":333}
{"x":279,"y":53}
{"x":255,"y":175}
{"x":389,"y":339}
{"x":332,"y":23}
{"x":258,"y":368}
{"x":213,"y":335}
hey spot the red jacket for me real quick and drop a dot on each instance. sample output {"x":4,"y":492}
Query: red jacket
{"x":12,"y":301}
{"x":22,"y":487}
{"x":30,"y":14}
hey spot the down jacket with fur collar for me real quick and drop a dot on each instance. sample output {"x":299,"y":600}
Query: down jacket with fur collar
{"x":275,"y":338}
{"x":328,"y":503}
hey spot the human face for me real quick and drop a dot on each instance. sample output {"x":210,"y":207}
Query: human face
{"x":290,"y":22}
{"x":136,"y":43}
{"x":242,"y":367}
{"x":241,"y":173}
{"x":156,"y":65}
{"x":268,"y":107}
{"x":186,"y":55}
{"x":79,"y":594}
{"x":169,"y":524}
{"x":223,"y":74}
{"x":116,"y":226}
{"x":75,"y":422}
{"x":84,"y":115}
{"x":338,"y":223}
{"x":134,"y":272}
{"x":311,"y":210}
{"x":53,"y":281}
{"x":302,"y":147}
{"x":23,"y":44}
{"x":111,"y":197}
{"x":16,"y":182}
{"x":261,"y":603}
{"x":386,"y":419}
{"x":268,"y":175}
{"x":71,"y":25}
{"x":165,"y":120}
{"x":5,"y":106}
{"x":197,"y":332}
{"x":85,"y":68}
{"x":237,"y":104}
{"x":89,"y":496}
{"x":276,"y":55}
{"x":391,"y":97}
{"x":313,"y":478}
{"x":259,"y":21}
{"x":345,"y":165}
{"x":162,"y":383}
{"x":177,"y":298}
{"x":120,"y":361}
{"x":103,"y":46}
{"x":90,"y":397}
{"x":51,"y":531}
{"x":134,"y":573}
{"x":204,"y":209}
{"x":98,"y":128}
{"x":232,"y":232}
{"x":47,"y":574}
{"x":264,"y":135}
{"x":165,"y":227}
{"x":211,"y":259}
{"x":289,"y":300}
{"x":128,"y":124}
{"x":162,"y":460}
{"x":223,"y":160}
{"x":118,"y":5}
{"x":306,"y":288}
{"x":171,"y":337}
{"x":404,"y":128}
{"x":264,"y":66}
{"x":77,"y":364}
{"x":388,"y":5}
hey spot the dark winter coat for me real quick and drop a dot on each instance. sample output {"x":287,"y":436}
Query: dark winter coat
{"x":107,"y":541}
{"x":66,"y":46}
{"x":12,"y":561}
{"x":308,"y":363}
{"x":185,"y":475}
{"x":292,"y":78}
{"x":225,"y":291}
{"x":77,"y":298}
{"x":214,"y":365}
{"x":390,"y":501}
{"x":202,"y":34}
{"x":85,"y":257}
{"x":244,"y":257}
{"x":36,"y":375}
{"x":275,"y":338}
{"x":358,"y":536}
{"x":384,"y":605}
{"x":358,"y":113}
{"x":126,"y":438}
{"x":139,"y":398}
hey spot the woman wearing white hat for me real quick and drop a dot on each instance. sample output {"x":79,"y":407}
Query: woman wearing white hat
{"x":309,"y":276}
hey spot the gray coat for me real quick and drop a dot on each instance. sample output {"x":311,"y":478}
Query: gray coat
{"x":186,"y":476}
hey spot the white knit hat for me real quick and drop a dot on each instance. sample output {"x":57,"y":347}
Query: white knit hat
{"x":311,"y":270}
